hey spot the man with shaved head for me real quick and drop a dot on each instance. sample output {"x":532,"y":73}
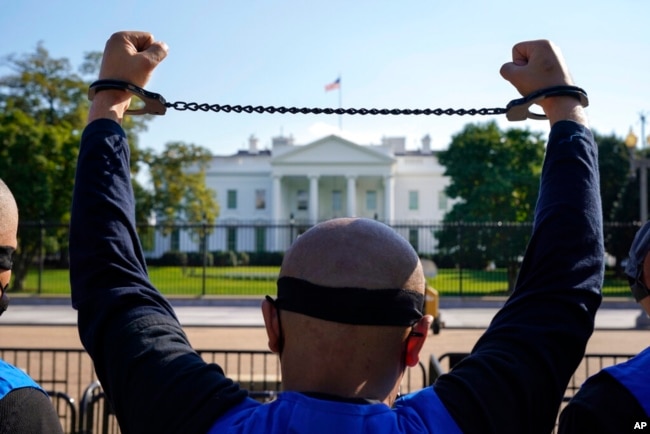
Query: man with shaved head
{"x":348,"y":317}
{"x":351,"y":287}
{"x":25,"y":408}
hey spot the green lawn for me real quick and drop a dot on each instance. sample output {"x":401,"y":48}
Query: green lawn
{"x":261,"y":280}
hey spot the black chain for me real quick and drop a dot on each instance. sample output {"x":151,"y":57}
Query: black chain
{"x":227,"y":108}
{"x":154,"y":103}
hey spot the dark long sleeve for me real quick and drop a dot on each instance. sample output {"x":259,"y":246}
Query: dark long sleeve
{"x":517,"y":373}
{"x":28,"y":410}
{"x":154,"y":379}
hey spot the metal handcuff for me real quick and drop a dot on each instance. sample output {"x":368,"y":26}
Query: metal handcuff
{"x":516,"y":110}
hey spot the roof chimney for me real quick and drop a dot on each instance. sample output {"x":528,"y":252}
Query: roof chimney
{"x":426,"y":144}
{"x":395,"y":144}
{"x":252,"y":144}
{"x":280,"y":141}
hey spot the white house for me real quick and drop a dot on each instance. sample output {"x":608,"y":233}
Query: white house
{"x":262,"y":194}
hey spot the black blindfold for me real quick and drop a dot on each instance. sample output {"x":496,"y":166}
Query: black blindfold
{"x":360,"y":306}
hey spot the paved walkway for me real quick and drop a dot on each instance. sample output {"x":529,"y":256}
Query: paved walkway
{"x":456,"y":314}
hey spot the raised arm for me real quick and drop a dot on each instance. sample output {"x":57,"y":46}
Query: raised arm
{"x":131,"y":57}
{"x":538,"y":65}
{"x":517,"y":373}
{"x":155,"y":381}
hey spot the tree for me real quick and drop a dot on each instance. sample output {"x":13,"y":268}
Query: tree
{"x":43,"y":87}
{"x":620,"y":194}
{"x":37,"y":162}
{"x":180,"y":193}
{"x":495,"y":176}
{"x":614,"y":166}
{"x":42,"y":111}
{"x":43,"y":107}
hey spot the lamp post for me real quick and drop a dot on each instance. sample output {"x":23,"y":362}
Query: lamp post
{"x":292,"y":222}
{"x":643,"y":164}
{"x":204,"y":247}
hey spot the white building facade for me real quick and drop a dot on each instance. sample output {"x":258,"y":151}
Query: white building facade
{"x":268,"y":197}
{"x":260,"y":192}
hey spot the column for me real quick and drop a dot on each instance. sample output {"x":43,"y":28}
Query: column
{"x":389,"y":199}
{"x":276,"y":198}
{"x":276,"y":212}
{"x":313,"y":199}
{"x":352,"y":196}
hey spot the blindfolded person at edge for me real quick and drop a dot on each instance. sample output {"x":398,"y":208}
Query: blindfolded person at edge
{"x":617,"y":399}
{"x":348,"y":316}
{"x":25,"y":408}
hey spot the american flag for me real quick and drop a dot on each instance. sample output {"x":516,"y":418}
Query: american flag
{"x":333,"y":85}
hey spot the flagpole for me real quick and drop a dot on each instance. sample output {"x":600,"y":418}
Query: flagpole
{"x":336,"y":84}
{"x":340,"y":105}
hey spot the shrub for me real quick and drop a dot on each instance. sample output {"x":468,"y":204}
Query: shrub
{"x":225,"y":259}
{"x":196,"y":259}
{"x":171,"y":258}
{"x":243,"y":258}
{"x":265,"y":258}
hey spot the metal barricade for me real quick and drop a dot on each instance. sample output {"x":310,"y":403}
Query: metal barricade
{"x":66,"y":409}
{"x":67,"y":371}
{"x":256,"y":371}
{"x":259,"y":372}
{"x":69,"y":375}
{"x":590,"y":365}
{"x":95,"y":413}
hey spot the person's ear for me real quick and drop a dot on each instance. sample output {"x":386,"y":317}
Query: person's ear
{"x":645,"y":304}
{"x":273,"y":332}
{"x":415,"y":341}
{"x":645,"y":276}
{"x":5,"y":278}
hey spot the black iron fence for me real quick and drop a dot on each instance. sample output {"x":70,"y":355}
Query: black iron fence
{"x":244,"y":258}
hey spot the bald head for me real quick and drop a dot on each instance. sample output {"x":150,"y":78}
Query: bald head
{"x":348,"y":256}
{"x":354,"y":252}
{"x":8,"y":216}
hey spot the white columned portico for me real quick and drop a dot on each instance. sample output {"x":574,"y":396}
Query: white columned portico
{"x":313,"y":199}
{"x":276,"y":195}
{"x":389,"y":198}
{"x":352,"y":196}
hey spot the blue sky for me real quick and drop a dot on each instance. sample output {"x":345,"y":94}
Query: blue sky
{"x":409,"y":54}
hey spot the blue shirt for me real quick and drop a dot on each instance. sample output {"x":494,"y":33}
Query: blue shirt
{"x":420,"y":412}
{"x":635,"y":376}
{"x":614,"y":400}
{"x":12,"y":378}
{"x":25,"y":408}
